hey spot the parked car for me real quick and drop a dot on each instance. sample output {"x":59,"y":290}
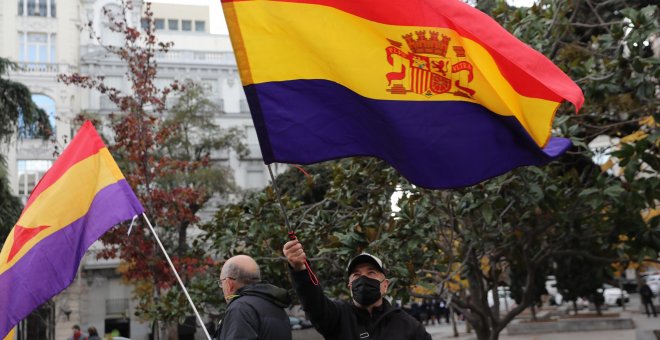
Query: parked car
{"x":613,"y":295}
{"x":299,"y":323}
{"x":506,"y":301}
{"x":654,"y":283}
{"x":553,"y":293}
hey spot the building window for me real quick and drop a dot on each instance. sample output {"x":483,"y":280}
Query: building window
{"x":52,"y":42}
{"x":45,"y":103}
{"x":36,"y":47}
{"x":173,"y":24}
{"x":186,"y":25}
{"x":121,"y":326}
{"x":37,"y":8}
{"x":159,"y":24}
{"x":200,"y":26}
{"x":116,"y":306}
{"x":144,"y":22}
{"x":254,"y":177}
{"x":30,"y":171}
{"x":48,"y":105}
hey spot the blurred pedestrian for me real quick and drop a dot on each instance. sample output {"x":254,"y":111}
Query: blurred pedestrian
{"x":367,"y":316}
{"x":426,"y":311}
{"x":443,"y":310}
{"x":254,"y":310}
{"x":646,"y":294}
{"x":416,"y":311}
{"x":93,"y":334}
{"x":77,"y":334}
{"x":435,"y":311}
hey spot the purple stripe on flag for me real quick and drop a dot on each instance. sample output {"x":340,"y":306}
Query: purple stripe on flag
{"x":433,"y":144}
{"x":52,"y":264}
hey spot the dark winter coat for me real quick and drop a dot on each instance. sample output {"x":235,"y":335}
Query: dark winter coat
{"x":646,"y":293}
{"x":256,"y":313}
{"x":344,"y":321}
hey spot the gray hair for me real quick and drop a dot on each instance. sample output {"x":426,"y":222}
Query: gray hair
{"x":241,"y":275}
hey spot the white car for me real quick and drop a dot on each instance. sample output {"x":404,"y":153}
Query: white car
{"x":613,"y":295}
{"x":553,"y":292}
{"x":506,"y":301}
{"x":654,"y":283}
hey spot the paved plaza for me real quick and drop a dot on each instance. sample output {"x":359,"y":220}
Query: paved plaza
{"x":632,"y":310}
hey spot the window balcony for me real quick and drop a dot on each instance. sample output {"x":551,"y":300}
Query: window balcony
{"x":116,"y":307}
{"x":42,"y":69}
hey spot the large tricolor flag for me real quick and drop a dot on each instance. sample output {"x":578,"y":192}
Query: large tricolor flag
{"x":82,"y":196}
{"x":436,"y":88}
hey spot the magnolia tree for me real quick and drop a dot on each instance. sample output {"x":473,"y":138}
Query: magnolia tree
{"x":166,"y":155}
{"x":509,"y":231}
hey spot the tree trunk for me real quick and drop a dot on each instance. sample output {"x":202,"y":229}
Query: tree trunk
{"x":172,"y":331}
{"x":575,"y":306}
{"x":181,"y":249}
{"x":485,"y":329}
{"x":533,"y":312}
{"x":483,"y":332}
{"x":623,"y":302}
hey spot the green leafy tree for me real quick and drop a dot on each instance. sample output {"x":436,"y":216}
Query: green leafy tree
{"x":580,"y":278}
{"x":18,"y":113}
{"x":19,"y":116}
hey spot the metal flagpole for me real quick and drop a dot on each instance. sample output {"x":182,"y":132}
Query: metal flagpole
{"x":199,"y":318}
{"x":279,"y":200}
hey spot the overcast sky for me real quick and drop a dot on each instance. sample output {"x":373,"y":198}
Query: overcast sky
{"x":218,"y":26}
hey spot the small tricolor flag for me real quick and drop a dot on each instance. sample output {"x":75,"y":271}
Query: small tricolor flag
{"x":437,"y":89}
{"x":82,"y":195}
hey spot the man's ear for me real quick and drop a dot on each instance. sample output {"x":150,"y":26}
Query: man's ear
{"x":231,"y":284}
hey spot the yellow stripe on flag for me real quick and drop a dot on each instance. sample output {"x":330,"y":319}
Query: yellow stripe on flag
{"x":326,"y":43}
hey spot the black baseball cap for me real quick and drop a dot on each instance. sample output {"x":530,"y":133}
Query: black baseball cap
{"x":364,"y":258}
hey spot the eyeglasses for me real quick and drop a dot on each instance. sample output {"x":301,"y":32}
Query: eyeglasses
{"x":221,"y":280}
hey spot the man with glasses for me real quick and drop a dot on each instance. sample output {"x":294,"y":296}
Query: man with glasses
{"x":367,"y":316}
{"x":254,"y":310}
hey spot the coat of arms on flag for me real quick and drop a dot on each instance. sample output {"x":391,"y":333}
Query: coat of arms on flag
{"x":429,"y":67}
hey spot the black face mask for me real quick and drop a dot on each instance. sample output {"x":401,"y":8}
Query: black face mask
{"x":365,"y":290}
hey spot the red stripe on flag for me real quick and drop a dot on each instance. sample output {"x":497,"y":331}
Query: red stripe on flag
{"x":21,"y":236}
{"x":89,"y":143}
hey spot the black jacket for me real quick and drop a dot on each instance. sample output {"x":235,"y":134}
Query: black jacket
{"x":646,"y":293}
{"x":256,"y":313}
{"x":344,"y":321}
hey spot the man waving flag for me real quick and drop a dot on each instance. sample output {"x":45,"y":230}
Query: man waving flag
{"x":437,"y":88}
{"x":83,"y":195}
